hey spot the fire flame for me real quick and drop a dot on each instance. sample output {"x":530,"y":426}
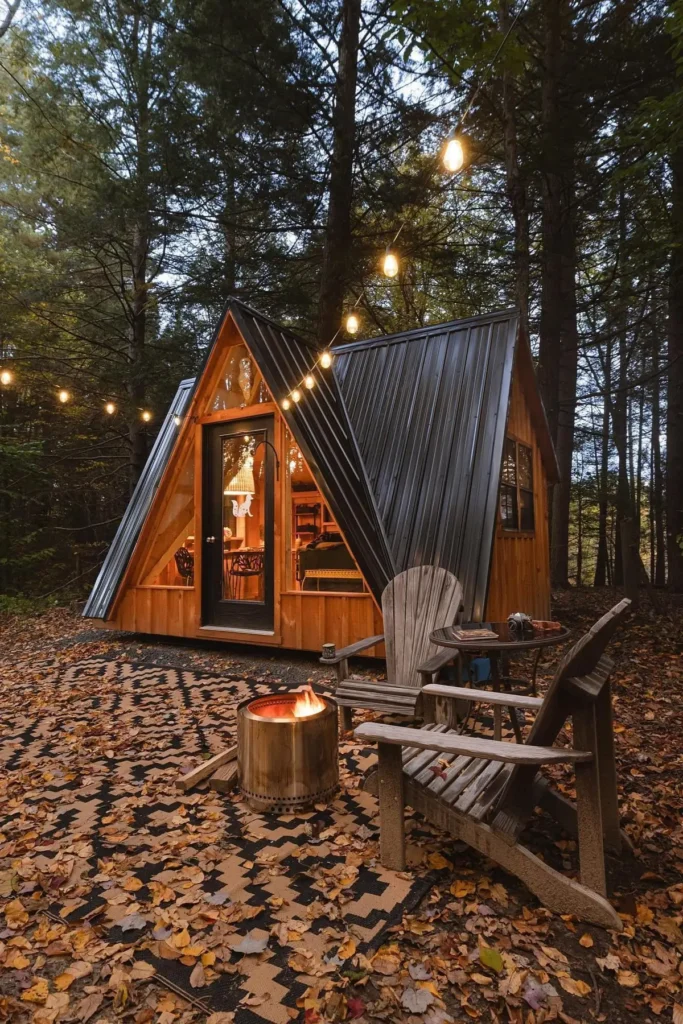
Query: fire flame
{"x":307,"y":703}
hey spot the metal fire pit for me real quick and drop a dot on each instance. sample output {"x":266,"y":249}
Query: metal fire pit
{"x":286,"y":763}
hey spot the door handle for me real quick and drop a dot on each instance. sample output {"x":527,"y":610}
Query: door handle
{"x":210,"y":540}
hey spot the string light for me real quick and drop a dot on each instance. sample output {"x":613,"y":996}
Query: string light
{"x":63,"y":396}
{"x":352,"y":323}
{"x":286,"y":404}
{"x":146,"y":415}
{"x":110,"y":408}
{"x":6,"y":377}
{"x":326,"y":360}
{"x":309,"y":381}
{"x":296,"y":395}
{"x":390,"y":264}
{"x":453,"y":156}
{"x":176,"y":420}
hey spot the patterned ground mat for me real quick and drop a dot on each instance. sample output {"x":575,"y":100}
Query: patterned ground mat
{"x":239,"y":911}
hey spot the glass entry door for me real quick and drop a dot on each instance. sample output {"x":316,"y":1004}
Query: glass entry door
{"x":238,"y":520}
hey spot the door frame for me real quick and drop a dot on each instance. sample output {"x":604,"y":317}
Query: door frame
{"x":266,"y":411}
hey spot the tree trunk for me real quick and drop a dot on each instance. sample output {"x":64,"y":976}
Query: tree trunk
{"x":656,"y":480}
{"x":516,"y":186}
{"x":338,"y":233}
{"x":558,"y":351}
{"x":137,"y":379}
{"x":674,"y":415}
{"x":627,"y":560}
{"x":602,"y":559}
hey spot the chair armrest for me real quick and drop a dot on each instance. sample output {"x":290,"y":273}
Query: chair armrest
{"x":348,"y":652}
{"x":509,"y":700}
{"x":437,"y":661}
{"x":470,"y":746}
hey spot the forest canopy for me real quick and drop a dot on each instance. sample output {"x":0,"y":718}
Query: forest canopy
{"x":158,"y":157}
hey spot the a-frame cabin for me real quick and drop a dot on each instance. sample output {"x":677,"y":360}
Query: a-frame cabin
{"x":256,"y":524}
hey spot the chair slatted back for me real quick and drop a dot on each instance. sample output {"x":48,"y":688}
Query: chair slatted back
{"x":587,"y":663}
{"x":414,"y":604}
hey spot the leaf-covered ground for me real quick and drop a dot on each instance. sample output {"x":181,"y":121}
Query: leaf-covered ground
{"x":478,"y":947}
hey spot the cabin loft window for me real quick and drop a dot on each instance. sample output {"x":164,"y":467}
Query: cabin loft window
{"x":318,"y":560}
{"x":240,"y":383}
{"x":517,"y":487}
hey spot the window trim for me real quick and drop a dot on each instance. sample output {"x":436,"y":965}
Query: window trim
{"x":518,"y":530}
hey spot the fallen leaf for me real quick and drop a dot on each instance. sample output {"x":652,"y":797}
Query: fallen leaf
{"x":198,"y":976}
{"x":347,"y":948}
{"x":461,"y":888}
{"x":355,"y":1008}
{"x":491,"y":958}
{"x":132,"y":922}
{"x":677,"y":1014}
{"x":575,"y":986}
{"x":438,"y":862}
{"x":586,"y":940}
{"x":38,"y":992}
{"x":251,"y":945}
{"x":15,"y":915}
{"x":416,"y":1000}
{"x":644,"y":915}
{"x":386,"y":964}
{"x":89,"y":1006}
{"x":629,"y":979}
{"x":141,"y":970}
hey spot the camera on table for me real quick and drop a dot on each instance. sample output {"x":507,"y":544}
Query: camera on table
{"x":520,"y":625}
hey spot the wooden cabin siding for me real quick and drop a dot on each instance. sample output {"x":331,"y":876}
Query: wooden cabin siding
{"x":520,"y":562}
{"x":168,"y":611}
{"x":308,"y":620}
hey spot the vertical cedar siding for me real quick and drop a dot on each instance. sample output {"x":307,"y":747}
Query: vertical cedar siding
{"x":520,"y":563}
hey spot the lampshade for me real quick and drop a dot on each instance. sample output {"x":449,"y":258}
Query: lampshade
{"x":243,"y":480}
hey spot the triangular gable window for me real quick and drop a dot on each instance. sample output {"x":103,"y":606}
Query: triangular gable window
{"x":240,"y":382}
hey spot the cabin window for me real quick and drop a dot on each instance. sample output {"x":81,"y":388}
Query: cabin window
{"x":317,"y":558}
{"x":517,"y":487}
{"x":240,"y":383}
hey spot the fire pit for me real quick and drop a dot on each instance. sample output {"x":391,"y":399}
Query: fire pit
{"x":287,"y":750}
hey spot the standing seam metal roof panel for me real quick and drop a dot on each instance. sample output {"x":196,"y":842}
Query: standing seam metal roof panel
{"x":429,"y":409}
{"x":104,"y":591}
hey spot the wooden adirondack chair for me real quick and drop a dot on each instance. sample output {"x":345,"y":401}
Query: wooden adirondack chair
{"x":491,"y":788}
{"x":414,"y":604}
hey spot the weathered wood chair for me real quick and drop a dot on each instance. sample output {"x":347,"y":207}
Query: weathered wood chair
{"x":414,"y":604}
{"x":485,"y":791}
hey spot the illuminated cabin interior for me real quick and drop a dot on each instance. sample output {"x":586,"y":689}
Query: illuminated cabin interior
{"x":257,"y":523}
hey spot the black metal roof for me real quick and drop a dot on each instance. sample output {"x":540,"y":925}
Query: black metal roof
{"x":428,"y":408}
{"x":114,"y":565}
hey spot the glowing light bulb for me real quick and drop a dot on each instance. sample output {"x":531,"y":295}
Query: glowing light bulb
{"x":63,"y":397}
{"x":146,"y":415}
{"x":292,"y":465}
{"x":390,"y":264}
{"x":286,"y":403}
{"x":309,"y":381}
{"x":176,"y":420}
{"x":453,"y":155}
{"x":326,"y":360}
{"x":6,"y":377}
{"x":110,"y":408}
{"x":352,"y":323}
{"x":296,"y":395}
